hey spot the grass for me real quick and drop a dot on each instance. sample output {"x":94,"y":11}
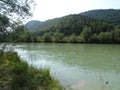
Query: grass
{"x":18,"y":75}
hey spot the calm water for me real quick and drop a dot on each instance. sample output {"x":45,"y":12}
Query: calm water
{"x":77,"y":66}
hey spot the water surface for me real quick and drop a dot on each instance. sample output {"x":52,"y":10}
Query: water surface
{"x":77,"y":66}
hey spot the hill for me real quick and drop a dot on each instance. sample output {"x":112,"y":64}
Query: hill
{"x":32,"y":25}
{"x":106,"y":15}
{"x":37,"y":25}
{"x":74,"y":28}
{"x":77,"y":28}
{"x":109,"y":15}
{"x":74,"y":24}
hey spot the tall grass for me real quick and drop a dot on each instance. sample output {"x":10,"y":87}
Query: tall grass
{"x":17,"y":75}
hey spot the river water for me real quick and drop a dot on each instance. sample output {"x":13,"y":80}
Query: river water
{"x":76,"y":66}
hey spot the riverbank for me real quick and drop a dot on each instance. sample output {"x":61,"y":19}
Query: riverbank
{"x":17,"y":75}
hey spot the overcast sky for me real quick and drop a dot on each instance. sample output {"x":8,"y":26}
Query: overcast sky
{"x":48,"y":9}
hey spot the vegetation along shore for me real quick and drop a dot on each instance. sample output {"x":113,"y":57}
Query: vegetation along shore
{"x":16,"y":74}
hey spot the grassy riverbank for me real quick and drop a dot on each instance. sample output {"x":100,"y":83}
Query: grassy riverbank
{"x":17,"y":75}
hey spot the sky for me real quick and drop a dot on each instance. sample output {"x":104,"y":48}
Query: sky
{"x":49,"y":9}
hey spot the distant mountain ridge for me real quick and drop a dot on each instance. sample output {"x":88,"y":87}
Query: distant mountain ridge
{"x":33,"y":25}
{"x":88,"y":27}
{"x":109,"y":15}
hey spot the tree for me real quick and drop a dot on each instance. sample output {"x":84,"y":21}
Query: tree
{"x":4,"y":23}
{"x":11,"y":10}
{"x":58,"y":37}
{"x":86,"y":34}
{"x":20,"y":34}
{"x":117,"y":35}
{"x":20,"y":7}
{"x":47,"y":37}
{"x":73,"y":38}
{"x":105,"y":37}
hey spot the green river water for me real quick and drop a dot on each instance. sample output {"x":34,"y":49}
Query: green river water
{"x":76,"y":66}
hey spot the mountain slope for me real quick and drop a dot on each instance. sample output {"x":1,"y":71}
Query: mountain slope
{"x":77,"y":28}
{"x":33,"y":25}
{"x":109,"y":15}
{"x":74,"y":24}
{"x":37,"y":25}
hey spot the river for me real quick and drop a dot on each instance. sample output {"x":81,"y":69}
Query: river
{"x":76,"y":66}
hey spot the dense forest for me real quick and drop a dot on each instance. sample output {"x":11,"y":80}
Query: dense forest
{"x":74,"y":28}
{"x":109,"y":15}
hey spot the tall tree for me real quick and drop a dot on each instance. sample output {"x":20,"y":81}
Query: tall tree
{"x":20,"y":7}
{"x":12,"y":10}
{"x":86,"y":34}
{"x":4,"y":23}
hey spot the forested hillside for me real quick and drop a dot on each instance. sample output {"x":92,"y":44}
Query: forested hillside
{"x":33,"y":25}
{"x":37,"y":25}
{"x":69,"y":29}
{"x":109,"y":15}
{"x":75,"y":24}
{"x":77,"y":28}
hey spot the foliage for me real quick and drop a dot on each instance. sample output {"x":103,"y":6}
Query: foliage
{"x":105,"y":37}
{"x":78,"y":29}
{"x":21,"y":8}
{"x":47,"y":37}
{"x":109,"y":15}
{"x":20,"y":34}
{"x":12,"y":12}
{"x":68,"y":29}
{"x":4,"y":23}
{"x":17,"y":75}
{"x":86,"y":34}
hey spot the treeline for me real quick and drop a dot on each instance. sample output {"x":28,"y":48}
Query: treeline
{"x":86,"y":36}
{"x":69,"y":29}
